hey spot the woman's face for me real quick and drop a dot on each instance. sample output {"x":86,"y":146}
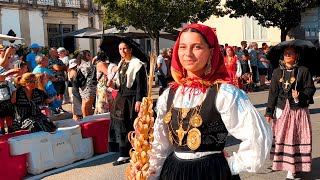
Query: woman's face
{"x":124,"y":50}
{"x":44,"y":80}
{"x":32,"y":84}
{"x":23,"y":70}
{"x":229,"y":52}
{"x":193,"y":53}
{"x":289,"y":56}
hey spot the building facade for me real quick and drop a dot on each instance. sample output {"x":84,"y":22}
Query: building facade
{"x":46,"y":21}
{"x":310,"y":24}
{"x":234,"y":30}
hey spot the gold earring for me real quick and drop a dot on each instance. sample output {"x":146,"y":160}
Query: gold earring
{"x":208,"y":66}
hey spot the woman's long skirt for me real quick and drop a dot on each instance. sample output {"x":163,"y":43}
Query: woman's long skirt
{"x":122,"y":115}
{"x":291,"y":150}
{"x":211,"y":167}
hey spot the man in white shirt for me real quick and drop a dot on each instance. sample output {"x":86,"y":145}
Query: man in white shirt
{"x":162,"y":70}
{"x":62,"y":52}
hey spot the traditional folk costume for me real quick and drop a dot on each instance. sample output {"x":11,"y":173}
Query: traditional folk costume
{"x":132,"y":82}
{"x":233,"y":67}
{"x":194,"y":117}
{"x":291,"y":150}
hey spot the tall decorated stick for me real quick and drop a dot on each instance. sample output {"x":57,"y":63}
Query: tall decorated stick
{"x":142,"y":135}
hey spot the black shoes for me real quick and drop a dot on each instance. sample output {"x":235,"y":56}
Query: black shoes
{"x":121,"y":161}
{"x":10,"y":130}
{"x":2,"y":132}
{"x":61,"y":110}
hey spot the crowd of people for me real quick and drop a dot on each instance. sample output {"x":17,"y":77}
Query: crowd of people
{"x":36,"y":83}
{"x":189,"y":131}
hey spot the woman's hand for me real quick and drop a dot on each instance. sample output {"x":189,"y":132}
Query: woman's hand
{"x":295,"y":93}
{"x":268,"y":119}
{"x":137,"y":106}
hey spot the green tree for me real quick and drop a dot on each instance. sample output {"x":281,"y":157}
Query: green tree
{"x":153,"y":16}
{"x":284,"y":14}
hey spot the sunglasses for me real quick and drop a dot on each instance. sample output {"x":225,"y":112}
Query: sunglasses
{"x":34,"y":82}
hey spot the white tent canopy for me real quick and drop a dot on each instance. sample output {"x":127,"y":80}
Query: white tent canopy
{"x":8,"y":38}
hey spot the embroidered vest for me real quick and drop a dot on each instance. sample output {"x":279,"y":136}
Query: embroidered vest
{"x":213,"y":130}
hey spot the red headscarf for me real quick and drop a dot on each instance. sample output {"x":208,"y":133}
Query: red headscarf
{"x":218,"y":73}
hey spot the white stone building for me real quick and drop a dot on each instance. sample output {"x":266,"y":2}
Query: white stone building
{"x":45,"y":21}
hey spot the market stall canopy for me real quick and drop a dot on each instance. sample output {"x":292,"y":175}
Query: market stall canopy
{"x":9,"y":38}
{"x":133,"y":33}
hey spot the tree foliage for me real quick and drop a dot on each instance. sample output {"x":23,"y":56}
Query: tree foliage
{"x":284,"y":14}
{"x":153,"y":16}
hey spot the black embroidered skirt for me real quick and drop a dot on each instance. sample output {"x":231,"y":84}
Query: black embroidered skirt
{"x":211,"y":167}
{"x":122,"y":115}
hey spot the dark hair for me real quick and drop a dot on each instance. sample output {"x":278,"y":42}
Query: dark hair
{"x":102,"y":56}
{"x":197,"y":31}
{"x":243,"y":42}
{"x":83,"y":54}
{"x":263,"y":44}
{"x":126,"y":43}
{"x":245,"y":52}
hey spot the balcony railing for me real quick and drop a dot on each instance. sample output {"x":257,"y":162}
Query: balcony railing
{"x":83,"y":4}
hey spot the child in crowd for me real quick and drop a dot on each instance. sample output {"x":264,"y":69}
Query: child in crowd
{"x":7,"y":99}
{"x":248,"y":84}
{"x":45,"y":85}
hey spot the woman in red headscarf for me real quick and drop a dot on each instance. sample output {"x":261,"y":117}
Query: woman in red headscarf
{"x":233,"y":66}
{"x":196,"y":113}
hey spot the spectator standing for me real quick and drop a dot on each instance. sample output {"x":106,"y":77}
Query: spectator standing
{"x":46,"y":85}
{"x":14,"y":57}
{"x":263,"y":65}
{"x":242,"y":48}
{"x":5,"y":56}
{"x":254,"y":62}
{"x":22,"y":67}
{"x":88,"y":91}
{"x":104,"y":98}
{"x":62,"y":52}
{"x":42,"y":67}
{"x":58,"y":68}
{"x":162,"y":70}
{"x":168,"y":64}
{"x":74,"y":92}
{"x":7,"y":99}
{"x":31,"y":57}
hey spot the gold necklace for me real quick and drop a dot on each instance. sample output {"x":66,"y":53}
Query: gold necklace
{"x":193,"y":135}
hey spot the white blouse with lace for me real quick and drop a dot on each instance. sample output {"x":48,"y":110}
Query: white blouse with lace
{"x":241,"y":119}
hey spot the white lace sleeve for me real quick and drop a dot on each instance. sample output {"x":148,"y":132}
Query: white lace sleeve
{"x":239,"y":70}
{"x":244,"y":122}
{"x":161,"y":146}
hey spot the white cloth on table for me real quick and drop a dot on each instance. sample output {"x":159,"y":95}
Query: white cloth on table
{"x":240,"y":117}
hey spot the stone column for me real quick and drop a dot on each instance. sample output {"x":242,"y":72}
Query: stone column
{"x":25,"y":26}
